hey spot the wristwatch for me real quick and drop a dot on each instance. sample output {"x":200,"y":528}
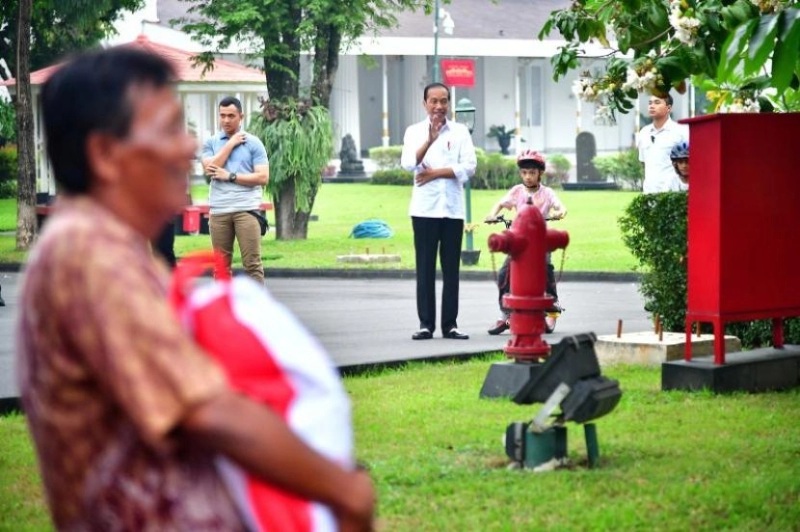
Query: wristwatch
{"x":232,"y":177}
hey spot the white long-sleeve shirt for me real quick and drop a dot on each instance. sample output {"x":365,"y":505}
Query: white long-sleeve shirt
{"x":439,"y":198}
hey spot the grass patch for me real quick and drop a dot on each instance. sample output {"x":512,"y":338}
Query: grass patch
{"x":596,"y":243}
{"x":669,"y":460}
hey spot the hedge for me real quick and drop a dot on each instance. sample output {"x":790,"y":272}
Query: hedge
{"x":654,"y":229}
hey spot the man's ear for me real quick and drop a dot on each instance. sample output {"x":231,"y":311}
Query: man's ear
{"x":101,"y":157}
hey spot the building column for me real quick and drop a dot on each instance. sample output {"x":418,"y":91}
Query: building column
{"x":345,"y":111}
{"x":415,"y":77}
{"x":384,"y":102}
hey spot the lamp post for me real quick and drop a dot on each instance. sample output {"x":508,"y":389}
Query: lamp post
{"x":448,"y":26}
{"x":465,"y":114}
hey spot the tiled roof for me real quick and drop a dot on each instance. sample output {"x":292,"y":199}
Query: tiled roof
{"x":223,"y":72}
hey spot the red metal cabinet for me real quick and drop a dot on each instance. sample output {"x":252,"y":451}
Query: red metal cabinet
{"x":744,"y":222}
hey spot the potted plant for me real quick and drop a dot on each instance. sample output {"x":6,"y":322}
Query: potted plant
{"x":503,"y":137}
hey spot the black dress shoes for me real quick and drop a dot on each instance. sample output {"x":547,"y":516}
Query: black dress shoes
{"x":422,"y":334}
{"x":455,"y":334}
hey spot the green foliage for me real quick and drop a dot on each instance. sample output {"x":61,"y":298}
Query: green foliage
{"x":59,"y":27}
{"x":747,"y":49}
{"x":654,"y":230}
{"x":495,"y":172}
{"x":386,"y":157}
{"x":394,"y":176}
{"x":557,"y":170}
{"x":299,"y":142}
{"x":8,"y":125}
{"x":8,"y":163}
{"x":623,"y":166}
{"x":8,"y":189}
{"x":274,"y":34}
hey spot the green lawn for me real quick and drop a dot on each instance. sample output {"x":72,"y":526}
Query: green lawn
{"x":669,"y":460}
{"x":595,"y":243}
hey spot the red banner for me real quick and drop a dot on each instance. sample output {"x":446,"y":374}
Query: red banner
{"x":458,"y":72}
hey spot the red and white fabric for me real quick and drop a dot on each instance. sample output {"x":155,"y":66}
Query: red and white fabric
{"x":271,"y":357}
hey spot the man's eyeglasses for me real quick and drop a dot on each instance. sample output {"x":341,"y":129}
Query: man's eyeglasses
{"x":653,"y":139}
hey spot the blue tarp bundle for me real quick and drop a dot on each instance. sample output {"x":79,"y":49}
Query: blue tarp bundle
{"x":372,"y":228}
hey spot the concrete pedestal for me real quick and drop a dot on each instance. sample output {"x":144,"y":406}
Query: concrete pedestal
{"x":645,"y":347}
{"x":506,"y":378}
{"x":749,"y":371}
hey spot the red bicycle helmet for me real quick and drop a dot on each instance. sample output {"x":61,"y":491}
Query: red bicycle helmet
{"x":531,"y":159}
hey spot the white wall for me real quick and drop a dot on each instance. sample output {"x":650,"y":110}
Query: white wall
{"x":498,"y":77}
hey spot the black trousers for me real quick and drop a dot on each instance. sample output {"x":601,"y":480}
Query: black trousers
{"x":165,"y":243}
{"x":442,"y":237}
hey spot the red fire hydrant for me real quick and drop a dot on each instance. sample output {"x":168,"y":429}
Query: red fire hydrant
{"x":528,"y":242}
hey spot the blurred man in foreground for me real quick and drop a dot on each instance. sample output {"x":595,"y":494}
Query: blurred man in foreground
{"x":126,"y":412}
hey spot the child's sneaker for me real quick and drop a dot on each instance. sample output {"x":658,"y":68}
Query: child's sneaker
{"x":500,"y":326}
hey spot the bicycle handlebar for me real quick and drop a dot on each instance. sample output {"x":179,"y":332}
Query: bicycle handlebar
{"x":500,"y":218}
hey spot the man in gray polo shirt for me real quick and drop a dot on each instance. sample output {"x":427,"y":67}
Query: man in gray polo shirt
{"x":238,"y":166}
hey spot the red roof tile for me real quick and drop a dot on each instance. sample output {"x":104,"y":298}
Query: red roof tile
{"x":223,"y":72}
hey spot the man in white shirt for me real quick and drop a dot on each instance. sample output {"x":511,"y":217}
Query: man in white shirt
{"x":441,"y":155}
{"x":655,"y":141}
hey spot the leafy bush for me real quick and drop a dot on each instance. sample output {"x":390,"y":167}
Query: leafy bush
{"x":396,"y":176}
{"x":386,"y":158}
{"x":494,"y":172}
{"x":8,"y":124}
{"x":557,"y":170}
{"x":8,"y":163}
{"x":654,"y":230}
{"x":8,"y":190}
{"x":623,"y":166}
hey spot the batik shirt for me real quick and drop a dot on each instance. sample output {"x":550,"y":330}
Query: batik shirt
{"x":106,"y":374}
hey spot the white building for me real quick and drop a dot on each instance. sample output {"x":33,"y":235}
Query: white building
{"x":384,"y":75}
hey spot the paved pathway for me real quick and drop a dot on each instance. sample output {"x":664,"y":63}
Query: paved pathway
{"x":370,"y":321}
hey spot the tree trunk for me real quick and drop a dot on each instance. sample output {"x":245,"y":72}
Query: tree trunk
{"x":26,"y":178}
{"x":326,"y":63}
{"x":289,"y":223}
{"x":283,"y":80}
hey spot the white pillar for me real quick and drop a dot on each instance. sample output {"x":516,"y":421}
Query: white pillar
{"x":385,"y":103}
{"x":345,"y":110}
{"x":415,"y":77}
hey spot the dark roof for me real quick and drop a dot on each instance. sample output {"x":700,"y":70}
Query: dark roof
{"x":474,"y":19}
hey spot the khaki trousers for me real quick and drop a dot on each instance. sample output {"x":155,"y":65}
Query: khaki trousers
{"x":243,"y":227}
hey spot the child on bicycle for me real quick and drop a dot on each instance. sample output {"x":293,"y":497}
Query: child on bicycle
{"x":680,"y":161}
{"x":530,"y":193}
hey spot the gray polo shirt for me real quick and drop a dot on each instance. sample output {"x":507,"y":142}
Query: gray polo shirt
{"x":225,"y":197}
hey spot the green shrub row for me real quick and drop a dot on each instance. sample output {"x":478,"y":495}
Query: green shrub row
{"x":494,"y":171}
{"x":654,"y":229}
{"x":8,"y":163}
{"x":623,"y":168}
